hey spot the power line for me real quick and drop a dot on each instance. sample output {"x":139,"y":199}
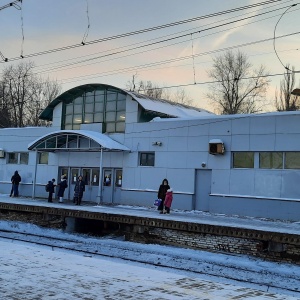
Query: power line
{"x":12,"y":4}
{"x":135,"y":45}
{"x":67,"y":66}
{"x":286,"y":67}
{"x":178,"y":59}
{"x":147,"y":29}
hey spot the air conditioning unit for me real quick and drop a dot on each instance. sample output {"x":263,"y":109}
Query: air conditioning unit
{"x":216,"y":146}
{"x":2,"y":153}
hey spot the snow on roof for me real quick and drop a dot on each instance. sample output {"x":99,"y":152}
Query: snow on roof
{"x":168,"y":107}
{"x":102,"y":139}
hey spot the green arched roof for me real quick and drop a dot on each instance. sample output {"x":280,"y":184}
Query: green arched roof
{"x":69,"y":96}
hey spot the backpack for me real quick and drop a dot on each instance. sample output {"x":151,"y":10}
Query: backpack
{"x":47,"y":187}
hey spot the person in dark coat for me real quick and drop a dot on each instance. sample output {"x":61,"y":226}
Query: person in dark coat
{"x":51,"y":186}
{"x":62,"y":186}
{"x":15,"y":180}
{"x":78,"y":190}
{"x":162,"y":194}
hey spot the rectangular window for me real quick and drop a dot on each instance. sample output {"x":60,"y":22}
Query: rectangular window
{"x":12,"y":158}
{"x":43,"y":158}
{"x":292,"y":160}
{"x":270,"y":160}
{"x":147,"y":158}
{"x":243,"y":160}
{"x":24,"y":158}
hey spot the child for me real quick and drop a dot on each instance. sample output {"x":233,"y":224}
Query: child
{"x":168,"y":201}
{"x":51,"y":186}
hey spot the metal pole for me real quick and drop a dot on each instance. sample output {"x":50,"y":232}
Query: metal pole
{"x":100,"y":178}
{"x":34,"y":175}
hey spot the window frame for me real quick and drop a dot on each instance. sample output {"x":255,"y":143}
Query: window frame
{"x":17,"y":160}
{"x":147,"y":159}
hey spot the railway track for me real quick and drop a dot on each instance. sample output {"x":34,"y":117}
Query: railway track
{"x":229,"y":267}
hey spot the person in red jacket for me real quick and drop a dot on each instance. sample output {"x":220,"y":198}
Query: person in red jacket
{"x":168,"y":201}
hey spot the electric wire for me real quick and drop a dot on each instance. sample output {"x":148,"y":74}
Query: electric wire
{"x":135,"y":44}
{"x":147,"y":29}
{"x":274,"y":39}
{"x":12,"y":4}
{"x":22,"y":31}
{"x":143,"y":66}
{"x":88,"y":26}
{"x":67,"y":66}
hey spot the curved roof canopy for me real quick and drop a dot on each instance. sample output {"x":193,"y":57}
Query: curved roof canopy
{"x":76,"y":141}
{"x":162,"y":106}
{"x":70,"y":95}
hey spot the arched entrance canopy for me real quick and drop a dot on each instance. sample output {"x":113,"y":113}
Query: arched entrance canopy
{"x":76,"y":141}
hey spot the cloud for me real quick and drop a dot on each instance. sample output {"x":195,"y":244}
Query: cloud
{"x":240,"y":26}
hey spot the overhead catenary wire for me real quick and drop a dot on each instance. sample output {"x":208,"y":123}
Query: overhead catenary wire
{"x":22,"y":31}
{"x":88,"y":26}
{"x":274,"y":39}
{"x":12,"y":4}
{"x":157,"y":42}
{"x":147,"y":29}
{"x":147,"y":41}
{"x":143,"y":66}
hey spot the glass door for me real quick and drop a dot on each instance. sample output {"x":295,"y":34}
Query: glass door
{"x":112,"y":183}
{"x":107,"y":191}
{"x":64,"y":171}
{"x":118,"y":185}
{"x":91,"y":179}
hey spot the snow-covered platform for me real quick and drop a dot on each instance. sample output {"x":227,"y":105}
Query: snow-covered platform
{"x":271,"y":239}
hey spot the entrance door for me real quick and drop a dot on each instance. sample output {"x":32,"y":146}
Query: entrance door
{"x":64,"y":171}
{"x":91,"y":179}
{"x":107,"y":196}
{"x":118,"y":185}
{"x":202,"y":189}
{"x":112,"y":183}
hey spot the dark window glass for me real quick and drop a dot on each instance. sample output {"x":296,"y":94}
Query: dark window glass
{"x":12,"y":158}
{"x":243,"y":160}
{"x":147,"y":159}
{"x":292,"y":160}
{"x":270,"y":160}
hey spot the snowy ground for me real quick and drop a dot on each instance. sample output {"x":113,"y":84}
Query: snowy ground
{"x":37,"y":272}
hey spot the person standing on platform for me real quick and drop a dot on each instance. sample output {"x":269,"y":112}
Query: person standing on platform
{"x":162,"y":194}
{"x":168,"y":201}
{"x":51,"y":186}
{"x":78,"y":190}
{"x":15,"y":180}
{"x":62,"y":186}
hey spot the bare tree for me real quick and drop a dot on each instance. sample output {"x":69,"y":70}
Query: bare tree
{"x":237,"y":89}
{"x":155,"y":91}
{"x":182,"y":97}
{"x":25,"y":95}
{"x":4,"y":107}
{"x":285,"y":101}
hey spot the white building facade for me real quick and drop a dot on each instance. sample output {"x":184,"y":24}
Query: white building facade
{"x":124,"y":144}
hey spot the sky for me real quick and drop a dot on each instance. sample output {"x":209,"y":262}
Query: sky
{"x":33,"y":271}
{"x":40,"y":26}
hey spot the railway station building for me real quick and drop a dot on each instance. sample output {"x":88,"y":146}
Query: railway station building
{"x":124,"y":144}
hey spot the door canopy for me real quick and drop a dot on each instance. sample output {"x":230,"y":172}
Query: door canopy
{"x":76,"y":141}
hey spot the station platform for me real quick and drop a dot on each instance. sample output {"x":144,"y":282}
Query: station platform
{"x":271,"y":239}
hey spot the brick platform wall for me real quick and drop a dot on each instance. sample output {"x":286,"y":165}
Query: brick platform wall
{"x":266,"y":249}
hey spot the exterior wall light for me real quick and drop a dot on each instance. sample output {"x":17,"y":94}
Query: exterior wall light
{"x":157,"y":143}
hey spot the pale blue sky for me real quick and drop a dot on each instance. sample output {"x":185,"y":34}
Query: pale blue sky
{"x":50,"y":24}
